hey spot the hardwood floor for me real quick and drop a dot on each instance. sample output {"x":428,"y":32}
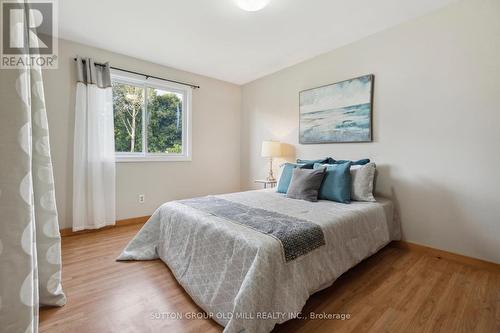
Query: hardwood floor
{"x":395,"y":290}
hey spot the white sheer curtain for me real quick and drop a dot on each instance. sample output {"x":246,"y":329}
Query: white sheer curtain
{"x":94,"y":148}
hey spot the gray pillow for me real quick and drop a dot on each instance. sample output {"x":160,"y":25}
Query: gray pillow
{"x":305,"y":184}
{"x":362,"y":182}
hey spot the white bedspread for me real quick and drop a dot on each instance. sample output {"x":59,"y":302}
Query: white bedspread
{"x":237,"y":274}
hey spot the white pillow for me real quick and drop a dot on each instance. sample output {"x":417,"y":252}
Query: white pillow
{"x":362,"y":182}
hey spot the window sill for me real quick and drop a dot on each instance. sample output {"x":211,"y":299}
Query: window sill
{"x":174,"y":158}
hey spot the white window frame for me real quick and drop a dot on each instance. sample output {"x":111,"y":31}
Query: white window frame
{"x":187,"y":93}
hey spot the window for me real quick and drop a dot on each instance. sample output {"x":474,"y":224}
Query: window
{"x":152,"y":119}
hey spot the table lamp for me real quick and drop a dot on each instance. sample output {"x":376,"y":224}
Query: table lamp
{"x":271,"y":149}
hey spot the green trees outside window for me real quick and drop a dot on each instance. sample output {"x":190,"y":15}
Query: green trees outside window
{"x":162,"y":111}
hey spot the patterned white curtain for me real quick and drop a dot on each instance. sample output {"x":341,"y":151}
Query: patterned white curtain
{"x":30,"y":243}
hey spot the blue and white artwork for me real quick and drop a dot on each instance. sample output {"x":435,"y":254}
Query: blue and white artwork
{"x":339,"y":112}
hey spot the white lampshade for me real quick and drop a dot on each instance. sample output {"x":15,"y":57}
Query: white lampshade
{"x":271,"y":149}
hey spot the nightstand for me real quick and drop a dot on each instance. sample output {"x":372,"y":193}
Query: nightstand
{"x":267,"y":183}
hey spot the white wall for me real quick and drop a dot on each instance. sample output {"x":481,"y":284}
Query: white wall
{"x":436,"y":122}
{"x":216,"y":124}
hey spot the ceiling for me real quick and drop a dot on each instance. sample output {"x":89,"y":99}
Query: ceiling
{"x":217,"y":39}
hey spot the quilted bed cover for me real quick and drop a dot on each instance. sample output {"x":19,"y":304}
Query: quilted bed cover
{"x":237,"y":274}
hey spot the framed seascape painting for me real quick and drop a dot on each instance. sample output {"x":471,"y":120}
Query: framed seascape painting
{"x":339,"y":112}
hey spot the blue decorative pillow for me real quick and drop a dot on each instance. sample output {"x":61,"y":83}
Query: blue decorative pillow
{"x":322,"y":161}
{"x":358,"y":162}
{"x":286,"y":177}
{"x":337,"y":183}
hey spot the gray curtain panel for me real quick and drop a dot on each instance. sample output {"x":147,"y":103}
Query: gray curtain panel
{"x":30,"y":243}
{"x":87,"y":72}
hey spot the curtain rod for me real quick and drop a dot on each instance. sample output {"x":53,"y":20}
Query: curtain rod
{"x":147,"y":75}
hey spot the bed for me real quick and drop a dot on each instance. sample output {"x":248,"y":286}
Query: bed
{"x":249,"y":279}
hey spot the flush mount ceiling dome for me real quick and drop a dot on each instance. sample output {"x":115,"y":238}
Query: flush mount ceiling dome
{"x":252,"y":5}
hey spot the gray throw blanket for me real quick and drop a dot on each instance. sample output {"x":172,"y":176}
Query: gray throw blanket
{"x":297,"y":236}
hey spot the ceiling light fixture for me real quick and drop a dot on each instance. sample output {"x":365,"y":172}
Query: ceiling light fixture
{"x":252,"y":5}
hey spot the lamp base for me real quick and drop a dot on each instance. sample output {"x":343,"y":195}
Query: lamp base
{"x":270,"y":179}
{"x":270,"y":176}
